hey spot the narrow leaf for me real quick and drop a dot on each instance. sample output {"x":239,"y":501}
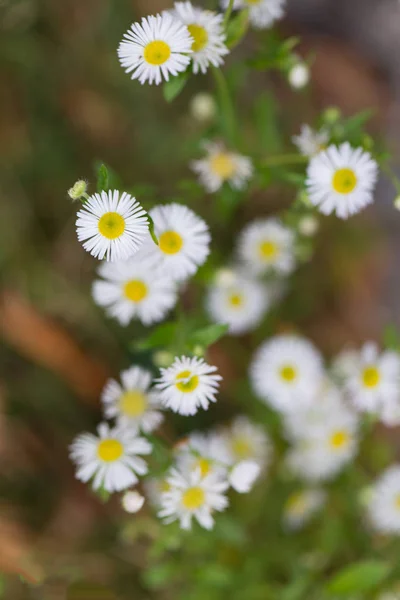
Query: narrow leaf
{"x":237,"y":28}
{"x":208,"y":335}
{"x":102,"y":178}
{"x":174,"y":86}
{"x":161,"y":336}
{"x":360,"y":577}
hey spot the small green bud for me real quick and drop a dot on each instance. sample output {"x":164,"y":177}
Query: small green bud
{"x":308,"y":226}
{"x":78,"y":189}
{"x":198,"y":350}
{"x":304,"y":198}
{"x":331,"y":115}
{"x":163,"y":358}
{"x":203,"y":107}
{"x":396,"y":202}
{"x":368,"y":142}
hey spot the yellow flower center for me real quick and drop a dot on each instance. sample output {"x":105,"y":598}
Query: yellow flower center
{"x":135,"y":290}
{"x":170,"y":242}
{"x":371,"y":377}
{"x":199,"y":35}
{"x":296,"y":504}
{"x":268,"y":250}
{"x":157,"y":52}
{"x":339,"y":439}
{"x":288,"y":373}
{"x":241,"y":447}
{"x":222,"y":165}
{"x":204,"y":465}
{"x":133,"y":403}
{"x":165,"y":486}
{"x":236,"y":300}
{"x":110,"y":450}
{"x":111,"y":225}
{"x":193,"y":498}
{"x":344,"y":181}
{"x":253,"y":1}
{"x":397,"y":501}
{"x":186,"y":382}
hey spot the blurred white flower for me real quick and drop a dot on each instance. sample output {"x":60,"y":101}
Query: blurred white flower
{"x":301,"y":506}
{"x":310,"y":142}
{"x":384,"y":506}
{"x":132,"y":501}
{"x":221,"y":165}
{"x":243,"y":475}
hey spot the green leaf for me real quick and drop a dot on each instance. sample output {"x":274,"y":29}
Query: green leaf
{"x":102,"y":178}
{"x":208,"y":335}
{"x":174,"y":86}
{"x":391,"y":338}
{"x":89,"y":591}
{"x":237,"y":28}
{"x":161,"y":336}
{"x":151,"y":229}
{"x":359,"y":577}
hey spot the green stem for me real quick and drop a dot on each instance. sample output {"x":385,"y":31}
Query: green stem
{"x":226,"y":106}
{"x":228,"y":13}
{"x":284,"y":159}
{"x":395,"y":181}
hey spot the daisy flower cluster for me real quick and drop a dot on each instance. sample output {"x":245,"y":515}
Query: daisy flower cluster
{"x":205,"y":466}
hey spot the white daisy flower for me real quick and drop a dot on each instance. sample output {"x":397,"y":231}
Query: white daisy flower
{"x":310,"y":142}
{"x":384,"y":506}
{"x":192,"y":496}
{"x":344,"y":364}
{"x":262,"y":13}
{"x":208,"y":35}
{"x":328,"y":451}
{"x":155,"y":48}
{"x":220,"y":166}
{"x":111,"y":225}
{"x":286,"y":372}
{"x":243,"y":475}
{"x":154,"y":488}
{"x":341,"y":179}
{"x":374,"y":381}
{"x":111,"y":458}
{"x":301,"y":506}
{"x":187,"y":385}
{"x":241,"y":303}
{"x":135,"y":289}
{"x":133,"y":403}
{"x":183,"y":241}
{"x":267,"y":245}
{"x":247,"y":441}
{"x":205,"y":451}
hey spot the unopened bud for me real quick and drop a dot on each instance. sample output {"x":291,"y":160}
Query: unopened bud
{"x":132,"y":501}
{"x":78,"y":189}
{"x":163,"y":358}
{"x":308,"y":226}
{"x":396,"y":202}
{"x":203,"y":107}
{"x":299,"y":75}
{"x":331,"y":115}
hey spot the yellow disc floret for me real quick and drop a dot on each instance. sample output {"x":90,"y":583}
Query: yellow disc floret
{"x":110,"y":450}
{"x":193,"y":498}
{"x":344,"y":181}
{"x":133,"y":403}
{"x":199,"y":35}
{"x":157,"y":52}
{"x":170,"y":242}
{"x":186,"y":382}
{"x":111,"y":225}
{"x":135,"y":290}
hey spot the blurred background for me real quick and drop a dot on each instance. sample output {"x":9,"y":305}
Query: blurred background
{"x":65,"y":104}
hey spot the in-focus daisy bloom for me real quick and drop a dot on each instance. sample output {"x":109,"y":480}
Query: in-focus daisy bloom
{"x":262,"y":13}
{"x":112,"y":459}
{"x":187,"y":385}
{"x":241,"y":303}
{"x":286,"y":372}
{"x":220,"y":166}
{"x":247,"y":441}
{"x":243,"y":476}
{"x":112,"y":225}
{"x":310,"y":142}
{"x":205,"y":451}
{"x":373,"y":380}
{"x":206,"y":29}
{"x":133,"y":403}
{"x":341,"y":179}
{"x":134,"y":289}
{"x":155,"y":48}
{"x":384,"y":505}
{"x":299,"y":75}
{"x":192,"y":496}
{"x":183,"y":241}
{"x":301,"y":506}
{"x":132,"y":501}
{"x":203,"y":107}
{"x":267,"y":245}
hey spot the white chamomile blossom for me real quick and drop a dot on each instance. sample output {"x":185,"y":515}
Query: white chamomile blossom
{"x":247,"y":441}
{"x":267,"y":245}
{"x":112,"y":225}
{"x":241,"y":303}
{"x":208,"y":35}
{"x":183,"y":241}
{"x":205,"y":451}
{"x":133,"y":403}
{"x":310,"y":142}
{"x":155,"y":48}
{"x":222,"y":165}
{"x":322,"y":455}
{"x":262,"y":13}
{"x":286,"y":372}
{"x":384,"y":505}
{"x":192,"y":496}
{"x":111,"y":459}
{"x":301,"y":506}
{"x":187,"y":385}
{"x":134,"y":289}
{"x":373,"y":382}
{"x":243,"y":475}
{"x":341,"y":179}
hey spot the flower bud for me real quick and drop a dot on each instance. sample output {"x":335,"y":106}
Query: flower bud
{"x":203,"y":107}
{"x":132,"y":501}
{"x":163,"y":358}
{"x":308,"y":226}
{"x":78,"y":189}
{"x":299,"y":75}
